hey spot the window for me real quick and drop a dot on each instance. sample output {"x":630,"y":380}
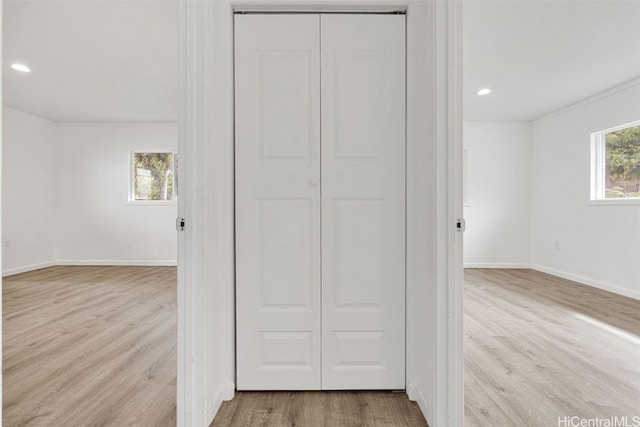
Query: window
{"x":616,"y":163}
{"x":153,"y":176}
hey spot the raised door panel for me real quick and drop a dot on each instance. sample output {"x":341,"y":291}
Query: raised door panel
{"x":277,"y":202}
{"x":363,"y":201}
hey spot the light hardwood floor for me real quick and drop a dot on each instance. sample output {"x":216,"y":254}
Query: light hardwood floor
{"x":95,"y":346}
{"x":319,"y":409}
{"x":90,"y":346}
{"x":538,"y":347}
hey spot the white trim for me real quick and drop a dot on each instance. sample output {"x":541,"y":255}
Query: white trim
{"x":1,"y":174}
{"x":92,"y":124}
{"x":591,"y":99}
{"x":454,"y":286}
{"x":224,"y":393}
{"x":206,"y":267}
{"x":562,"y":274}
{"x":320,"y":10}
{"x":115,"y":124}
{"x":228,"y":392}
{"x":182,"y":343}
{"x":115,"y":262}
{"x":47,"y":264}
{"x":206,"y":277}
{"x":151,"y":203}
{"x":27,"y":268}
{"x":631,"y":201}
{"x":131,"y":201}
{"x":588,"y":282}
{"x":514,"y":265}
{"x":496,"y":122}
{"x":319,"y":6}
{"x":421,"y":280}
{"x":598,"y":166}
{"x":156,"y":149}
{"x":631,"y":124}
{"x":415,"y":394}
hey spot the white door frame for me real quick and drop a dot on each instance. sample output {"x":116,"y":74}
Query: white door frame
{"x":206,"y":343}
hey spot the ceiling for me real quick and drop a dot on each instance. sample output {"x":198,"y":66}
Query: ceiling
{"x":116,"y":61}
{"x":540,"y":56}
{"x":92,"y":61}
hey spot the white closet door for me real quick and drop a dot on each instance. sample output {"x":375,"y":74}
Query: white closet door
{"x":363,"y":201}
{"x":277,"y":69}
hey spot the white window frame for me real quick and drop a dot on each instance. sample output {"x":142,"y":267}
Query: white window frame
{"x":597,"y":193}
{"x":131,"y":200}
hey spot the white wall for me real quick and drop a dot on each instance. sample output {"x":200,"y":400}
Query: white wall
{"x":96,"y":224}
{"x":498,"y":191}
{"x":65,"y":195}
{"x":28,"y":191}
{"x":570,"y":237}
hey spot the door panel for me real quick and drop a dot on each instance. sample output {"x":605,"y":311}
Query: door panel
{"x":284,"y":127}
{"x":284,"y":272}
{"x":277,"y":202}
{"x":320,"y":224}
{"x":355,"y":98}
{"x":363,"y":201}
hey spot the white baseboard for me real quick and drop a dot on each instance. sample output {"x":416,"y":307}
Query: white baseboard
{"x":569,"y":276}
{"x":589,"y":282}
{"x":138,"y":263}
{"x":224,"y":393}
{"x":33,"y":267}
{"x":228,"y":392}
{"x":496,"y":265}
{"x":415,"y":394}
{"x":27,"y":268}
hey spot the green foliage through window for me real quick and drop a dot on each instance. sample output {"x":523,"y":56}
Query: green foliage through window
{"x":153,"y":176}
{"x":622,"y":163}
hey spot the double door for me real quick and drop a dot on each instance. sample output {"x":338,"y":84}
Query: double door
{"x":320,"y":201}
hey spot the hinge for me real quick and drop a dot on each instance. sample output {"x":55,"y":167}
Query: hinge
{"x":180,"y":224}
{"x":460,"y":225}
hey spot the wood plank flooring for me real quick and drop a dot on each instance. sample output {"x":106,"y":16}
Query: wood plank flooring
{"x":95,"y":346}
{"x":320,"y":409}
{"x":538,"y":347}
{"x":90,"y":346}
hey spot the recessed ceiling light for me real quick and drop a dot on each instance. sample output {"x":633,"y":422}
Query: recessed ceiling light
{"x":21,"y":67}
{"x":484,"y":91}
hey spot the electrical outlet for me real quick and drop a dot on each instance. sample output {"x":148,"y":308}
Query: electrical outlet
{"x":557,"y":245}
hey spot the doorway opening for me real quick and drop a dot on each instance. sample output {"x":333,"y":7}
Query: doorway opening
{"x":89,"y":241}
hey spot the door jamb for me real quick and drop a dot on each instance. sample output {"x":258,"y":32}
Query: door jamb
{"x":206,"y":367}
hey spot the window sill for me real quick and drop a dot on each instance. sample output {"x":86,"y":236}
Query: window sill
{"x":152,"y":203}
{"x":615,"y":202}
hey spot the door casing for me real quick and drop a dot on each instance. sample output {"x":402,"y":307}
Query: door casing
{"x":206,"y":348}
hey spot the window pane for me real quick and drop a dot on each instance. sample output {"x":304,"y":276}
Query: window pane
{"x":153,"y":176}
{"x":622,"y":163}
